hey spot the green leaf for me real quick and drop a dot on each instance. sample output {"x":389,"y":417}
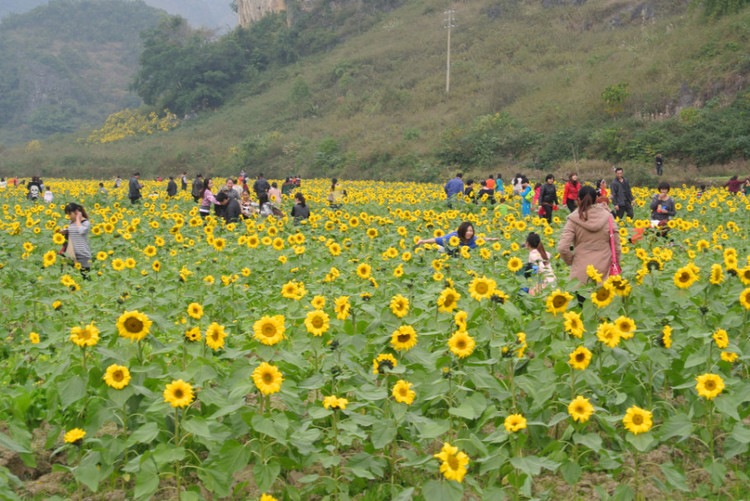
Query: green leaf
{"x":10,"y":444}
{"x":382,"y":434}
{"x":445,"y":490}
{"x":233,"y":456}
{"x":698,"y":358}
{"x":319,"y":412}
{"x":678,"y":425}
{"x":71,"y":390}
{"x":275,"y":428}
{"x":727,"y":404}
{"x":433,"y":429}
{"x":404,"y":495}
{"x":265,"y":474}
{"x":143,"y":435}
{"x":674,"y":476}
{"x":741,"y":433}
{"x":642,"y":442}
{"x":147,"y":481}
{"x":590,"y":440}
{"x":571,"y":472}
{"x":165,"y":454}
{"x":532,"y":465}
{"x":717,"y":470}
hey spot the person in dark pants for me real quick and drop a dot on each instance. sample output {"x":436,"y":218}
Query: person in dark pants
{"x":171,"y":187}
{"x":134,"y":188}
{"x":570,"y":193}
{"x":183,"y":181}
{"x":232,"y":210}
{"x":197,"y":188}
{"x":622,"y":197}
{"x":548,"y":197}
{"x":659,"y":162}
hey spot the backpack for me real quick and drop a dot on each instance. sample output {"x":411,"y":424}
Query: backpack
{"x":33,"y":192}
{"x":529,"y":197}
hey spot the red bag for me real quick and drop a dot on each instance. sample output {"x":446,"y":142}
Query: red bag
{"x":540,"y":211}
{"x":614,"y":268}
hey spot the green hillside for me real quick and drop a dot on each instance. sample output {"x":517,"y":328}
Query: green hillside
{"x":68,"y":64}
{"x":361,"y":94}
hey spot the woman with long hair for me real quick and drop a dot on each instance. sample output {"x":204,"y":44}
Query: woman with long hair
{"x":585,"y":239}
{"x":77,"y":233}
{"x":539,"y":260}
{"x":207,"y":198}
{"x":464,"y":235}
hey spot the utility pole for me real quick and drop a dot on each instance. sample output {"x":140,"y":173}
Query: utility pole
{"x":449,"y":25}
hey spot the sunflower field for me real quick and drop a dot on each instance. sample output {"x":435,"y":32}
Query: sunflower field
{"x":333,"y":360}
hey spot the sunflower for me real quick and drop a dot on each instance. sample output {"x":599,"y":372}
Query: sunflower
{"x":593,"y":273}
{"x":34,"y":338}
{"x":74,"y":436}
{"x":133,"y":325}
{"x":514,"y":264}
{"x":267,"y":497}
{"x":482,"y":288}
{"x":665,"y":339}
{"x":215,"y":336}
{"x":726,"y":356}
{"x":580,"y":409}
{"x":383,"y":362}
{"x":49,"y":258}
{"x":460,"y":319}
{"x":318,"y":302}
{"x":448,"y":300}
{"x":557,"y":302}
{"x":117,"y":376}
{"x":130,"y":263}
{"x":193,"y":334}
{"x":454,"y":462}
{"x":58,"y":239}
{"x":293,"y":290}
{"x":608,"y":334}
{"x":399,"y":305}
{"x":685,"y":277}
{"x":709,"y":385}
{"x":195,"y":311}
{"x":269,"y":330}
{"x":573,"y":324}
{"x":150,"y":251}
{"x":85,"y":336}
{"x":620,"y":285}
{"x":341,"y":306}
{"x":580,"y":358}
{"x":745,"y":298}
{"x":403,"y":393}
{"x":603,"y":295}
{"x":267,"y":378}
{"x":118,"y":264}
{"x":178,"y":393}
{"x":515,"y":422}
{"x":57,"y":305}
{"x":637,"y":420}
{"x":625,"y":327}
{"x":721,"y":339}
{"x":334,"y":402}
{"x":219,"y":244}
{"x":404,"y":338}
{"x":461,"y":344}
{"x":717,"y":276}
{"x":317,"y":322}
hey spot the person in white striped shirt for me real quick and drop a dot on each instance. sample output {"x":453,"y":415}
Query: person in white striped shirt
{"x":77,"y":232}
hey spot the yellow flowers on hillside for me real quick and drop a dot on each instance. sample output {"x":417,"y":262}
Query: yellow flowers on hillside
{"x":128,"y":123}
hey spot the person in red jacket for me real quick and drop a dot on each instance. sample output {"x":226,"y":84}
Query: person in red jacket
{"x":570,"y":193}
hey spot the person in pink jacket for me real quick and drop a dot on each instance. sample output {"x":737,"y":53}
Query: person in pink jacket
{"x":585,"y":237}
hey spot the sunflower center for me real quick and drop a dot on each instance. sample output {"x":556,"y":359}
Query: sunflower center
{"x":85,"y":334}
{"x":602,"y":294}
{"x":178,"y":393}
{"x":710,"y":385}
{"x":403,"y":338}
{"x":461,"y":344}
{"x":559,"y":301}
{"x":269,"y":330}
{"x":268,"y":378}
{"x":317,"y":322}
{"x":133,"y":324}
{"x":118,"y":376}
{"x":482,"y":288}
{"x":580,"y":357}
{"x":453,"y":462}
{"x":448,"y":301}
{"x":637,"y":419}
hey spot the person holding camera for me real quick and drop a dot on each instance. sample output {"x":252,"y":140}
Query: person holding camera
{"x":77,"y":233}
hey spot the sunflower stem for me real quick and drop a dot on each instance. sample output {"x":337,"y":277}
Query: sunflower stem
{"x":711,"y":427}
{"x":650,"y":383}
{"x":635,"y":472}
{"x":177,"y":471}
{"x":572,"y":383}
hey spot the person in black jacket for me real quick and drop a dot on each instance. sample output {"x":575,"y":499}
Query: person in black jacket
{"x":548,"y":197}
{"x":300,"y":210}
{"x":197,"y":188}
{"x":622,"y":197}
{"x":171,"y":187}
{"x":232,"y":211}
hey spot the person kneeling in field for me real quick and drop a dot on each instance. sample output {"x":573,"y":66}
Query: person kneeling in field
{"x":463,"y":237}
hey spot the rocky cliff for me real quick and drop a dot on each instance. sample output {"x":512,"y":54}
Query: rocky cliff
{"x":250,"y":11}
